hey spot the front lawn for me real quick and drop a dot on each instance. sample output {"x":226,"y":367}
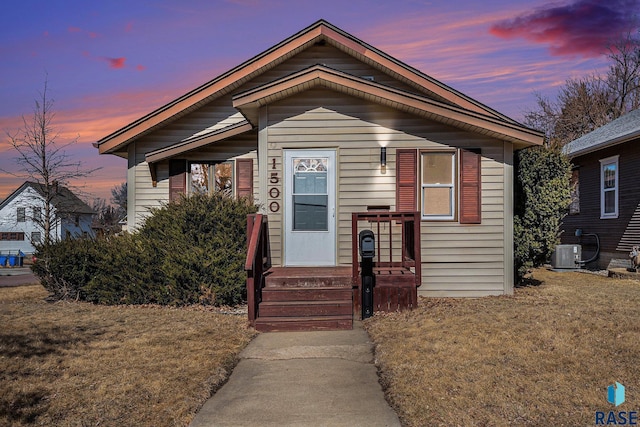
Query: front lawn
{"x":78,"y":364}
{"x":544,"y":356}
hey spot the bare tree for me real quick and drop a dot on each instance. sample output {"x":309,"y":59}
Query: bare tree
{"x":42,"y":159}
{"x":585,"y":104}
{"x":623,"y":78}
{"x":107,"y":217}
{"x":119,"y":198}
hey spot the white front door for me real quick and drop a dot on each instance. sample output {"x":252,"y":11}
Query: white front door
{"x":310,"y":207}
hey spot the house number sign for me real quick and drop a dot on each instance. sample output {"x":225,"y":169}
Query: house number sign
{"x":274,"y":191}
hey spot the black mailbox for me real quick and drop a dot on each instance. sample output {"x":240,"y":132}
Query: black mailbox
{"x":367,"y":244}
{"x":367,"y":252}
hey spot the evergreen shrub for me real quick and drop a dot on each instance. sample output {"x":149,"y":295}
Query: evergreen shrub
{"x":187,"y":252}
{"x":542,"y":198}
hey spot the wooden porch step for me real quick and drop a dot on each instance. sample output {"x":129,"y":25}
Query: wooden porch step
{"x":306,"y":299}
{"x":309,"y":277}
{"x":291,"y":324}
{"x":317,"y":293}
{"x":305,"y":308}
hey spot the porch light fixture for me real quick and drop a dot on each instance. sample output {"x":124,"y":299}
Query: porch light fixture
{"x":383,"y":156}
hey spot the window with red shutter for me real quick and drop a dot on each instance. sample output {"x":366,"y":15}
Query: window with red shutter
{"x":406,"y":180}
{"x":440,"y":184}
{"x":177,"y":178}
{"x":244,"y":178}
{"x":470,"y":187}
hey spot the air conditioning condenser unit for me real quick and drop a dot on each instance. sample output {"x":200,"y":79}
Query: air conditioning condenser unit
{"x":567,"y":257}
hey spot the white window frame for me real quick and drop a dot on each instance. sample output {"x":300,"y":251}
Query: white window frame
{"x":453,"y":186}
{"x":613,"y":160}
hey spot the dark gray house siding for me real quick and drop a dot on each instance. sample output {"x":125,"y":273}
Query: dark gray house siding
{"x":617,"y":235}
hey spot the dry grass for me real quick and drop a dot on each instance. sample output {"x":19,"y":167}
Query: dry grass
{"x":76,"y":364}
{"x":542,"y":357}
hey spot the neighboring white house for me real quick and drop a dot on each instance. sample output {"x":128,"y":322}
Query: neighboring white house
{"x":22,"y":213}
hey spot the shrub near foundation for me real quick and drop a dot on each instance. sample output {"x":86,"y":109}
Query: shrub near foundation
{"x":129,"y":273}
{"x":200,"y":244}
{"x":65,"y":267}
{"x":187,"y":252}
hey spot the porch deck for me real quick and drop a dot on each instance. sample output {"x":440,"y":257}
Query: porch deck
{"x":328,"y":298}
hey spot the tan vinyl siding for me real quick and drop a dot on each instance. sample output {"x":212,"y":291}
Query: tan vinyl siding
{"x":459,"y":260}
{"x":332,"y":58}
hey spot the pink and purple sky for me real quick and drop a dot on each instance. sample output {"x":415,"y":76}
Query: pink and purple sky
{"x":109,"y":63}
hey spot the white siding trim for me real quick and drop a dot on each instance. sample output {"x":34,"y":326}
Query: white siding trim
{"x":508,"y":178}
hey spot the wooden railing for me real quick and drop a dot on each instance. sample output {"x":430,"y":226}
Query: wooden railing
{"x":397,"y":237}
{"x":258,"y":261}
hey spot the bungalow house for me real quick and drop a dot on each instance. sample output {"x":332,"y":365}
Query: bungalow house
{"x":22,"y":216}
{"x":330,"y":136}
{"x":606,"y":195}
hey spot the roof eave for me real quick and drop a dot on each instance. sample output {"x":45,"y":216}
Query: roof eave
{"x":194,"y":143}
{"x":115,"y":142}
{"x":605,"y":144}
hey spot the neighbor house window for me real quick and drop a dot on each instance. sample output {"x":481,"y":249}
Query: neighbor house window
{"x":206,"y":178}
{"x":11,"y":236}
{"x":22,"y":214}
{"x":574,"y":207}
{"x":438,"y":193}
{"x":36,"y":237}
{"x":37,"y":214}
{"x":609,"y":187}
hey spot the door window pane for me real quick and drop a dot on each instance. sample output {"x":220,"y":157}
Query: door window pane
{"x":310,"y":197}
{"x":310,"y":213}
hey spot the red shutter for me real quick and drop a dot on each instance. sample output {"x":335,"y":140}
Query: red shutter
{"x":470,"y":188}
{"x":406,"y":180}
{"x":244,"y":178}
{"x":177,"y":179}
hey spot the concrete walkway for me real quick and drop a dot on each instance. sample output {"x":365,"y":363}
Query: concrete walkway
{"x":302,"y":379}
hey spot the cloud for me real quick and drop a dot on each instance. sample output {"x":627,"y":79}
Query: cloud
{"x":584,"y":27}
{"x":90,"y":34}
{"x":116,"y":63}
{"x":457,"y":49}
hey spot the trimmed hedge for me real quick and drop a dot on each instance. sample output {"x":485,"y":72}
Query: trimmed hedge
{"x":187,"y":252}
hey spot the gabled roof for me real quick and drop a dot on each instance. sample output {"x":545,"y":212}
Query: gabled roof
{"x":620,"y":130}
{"x":321,"y":76}
{"x":319,"y":32}
{"x":64,"y":200}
